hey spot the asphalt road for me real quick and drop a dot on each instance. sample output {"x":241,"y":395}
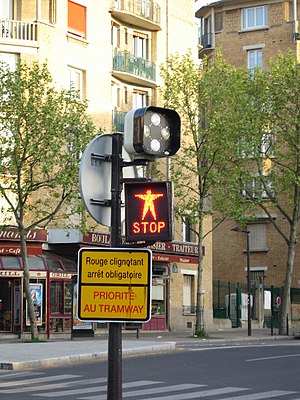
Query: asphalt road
{"x":233,"y":371}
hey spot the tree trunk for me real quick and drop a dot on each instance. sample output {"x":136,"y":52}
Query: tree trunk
{"x":199,"y":306}
{"x":284,"y":313}
{"x":31,"y":313}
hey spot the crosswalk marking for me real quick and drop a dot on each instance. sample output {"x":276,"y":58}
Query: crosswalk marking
{"x":163,"y":389}
{"x":79,"y":388}
{"x":202,"y":393}
{"x":262,"y":395}
{"x":37,"y":380}
{"x":19,"y":374}
{"x":95,"y":389}
{"x":53,"y":386}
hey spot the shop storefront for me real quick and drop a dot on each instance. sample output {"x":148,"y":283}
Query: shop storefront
{"x":168,"y":259}
{"x":50,"y":285}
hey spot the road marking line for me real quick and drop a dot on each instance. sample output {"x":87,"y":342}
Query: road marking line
{"x":53,"y":386}
{"x":162,"y":389}
{"x":38,"y":380}
{"x":262,"y":395}
{"x":197,"y":395}
{"x":273,"y":357}
{"x":94,"y":389}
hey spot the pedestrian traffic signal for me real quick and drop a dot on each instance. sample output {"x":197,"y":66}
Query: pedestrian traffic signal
{"x":152,"y":132}
{"x":148,"y":211}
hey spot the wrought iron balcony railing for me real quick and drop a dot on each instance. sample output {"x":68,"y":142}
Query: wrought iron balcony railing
{"x":206,"y":40}
{"x":18,"y":30}
{"x":126,"y":62}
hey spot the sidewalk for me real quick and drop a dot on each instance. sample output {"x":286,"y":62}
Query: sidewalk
{"x":18,"y":355}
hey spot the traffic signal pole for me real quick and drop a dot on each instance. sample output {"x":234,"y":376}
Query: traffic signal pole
{"x":114,"y":383}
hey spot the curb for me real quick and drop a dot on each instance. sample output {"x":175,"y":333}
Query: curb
{"x":89,"y":357}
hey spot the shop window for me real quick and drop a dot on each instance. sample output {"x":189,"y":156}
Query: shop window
{"x":158,"y":304}
{"x":68,"y":298}
{"x":77,"y":19}
{"x":36,"y":263}
{"x":10,"y":262}
{"x":56,"y":297}
{"x":53,"y":264}
{"x":257,"y":237}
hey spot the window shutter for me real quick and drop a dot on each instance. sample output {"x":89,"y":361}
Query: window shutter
{"x":77,"y":19}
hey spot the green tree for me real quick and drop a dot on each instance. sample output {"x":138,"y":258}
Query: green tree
{"x":198,"y":94}
{"x":43,"y":133}
{"x":268,"y":160}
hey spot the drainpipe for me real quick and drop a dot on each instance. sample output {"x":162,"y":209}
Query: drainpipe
{"x":38,"y":10}
{"x":295,"y":21}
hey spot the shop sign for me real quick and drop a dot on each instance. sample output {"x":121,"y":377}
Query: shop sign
{"x":114,"y":284}
{"x":12,"y":274}
{"x":61,"y":275}
{"x":190,"y":249}
{"x":33,"y":235}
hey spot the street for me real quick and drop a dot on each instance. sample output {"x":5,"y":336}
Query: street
{"x":246,"y":371}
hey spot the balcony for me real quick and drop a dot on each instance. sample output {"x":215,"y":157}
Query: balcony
{"x":140,"y":13}
{"x":205,"y":44}
{"x":18,"y":31}
{"x":134,"y":70}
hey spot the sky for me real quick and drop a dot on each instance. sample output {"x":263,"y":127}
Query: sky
{"x":200,"y":3}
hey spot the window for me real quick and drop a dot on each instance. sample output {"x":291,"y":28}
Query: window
{"x":115,"y":35}
{"x":267,"y":145}
{"x":140,"y":45}
{"x":255,"y":17}
{"x":75,"y":81}
{"x":188,"y":235}
{"x":188,"y":294}
{"x":260,"y":187}
{"x":77,"y":19}
{"x":139,"y":99}
{"x":257,"y":237}
{"x":6,"y":9}
{"x":48,"y":11}
{"x":10,"y":59}
{"x":56,"y":297}
{"x":254,"y":60}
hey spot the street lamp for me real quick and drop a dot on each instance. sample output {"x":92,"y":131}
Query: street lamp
{"x":238,"y":229}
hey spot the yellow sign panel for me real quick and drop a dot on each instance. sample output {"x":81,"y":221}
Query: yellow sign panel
{"x":114,"y":284}
{"x":111,"y":267}
{"x":111,"y":302}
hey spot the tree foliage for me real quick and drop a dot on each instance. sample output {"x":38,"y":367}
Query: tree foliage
{"x":197,"y":94}
{"x":240,"y":148}
{"x":43,"y":133}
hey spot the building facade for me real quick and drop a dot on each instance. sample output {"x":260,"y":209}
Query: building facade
{"x":249,"y":33}
{"x":111,"y":53}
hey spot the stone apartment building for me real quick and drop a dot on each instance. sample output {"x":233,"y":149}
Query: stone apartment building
{"x":249,"y":34}
{"x":110,"y":51}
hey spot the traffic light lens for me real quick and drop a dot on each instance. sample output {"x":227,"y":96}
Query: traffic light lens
{"x":155,"y":145}
{"x":165,"y":133}
{"x":155,"y":119}
{"x":146,"y":131}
